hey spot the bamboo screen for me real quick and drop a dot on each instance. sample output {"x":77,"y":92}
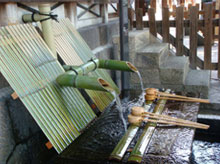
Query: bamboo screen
{"x":28,"y":65}
{"x":74,"y":51}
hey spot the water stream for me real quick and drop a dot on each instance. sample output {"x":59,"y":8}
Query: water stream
{"x":141,"y":99}
{"x":120,"y":109}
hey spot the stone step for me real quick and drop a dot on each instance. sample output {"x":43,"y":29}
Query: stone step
{"x":137,"y":39}
{"x":198,"y":81}
{"x":174,"y":70}
{"x":151,"y":56}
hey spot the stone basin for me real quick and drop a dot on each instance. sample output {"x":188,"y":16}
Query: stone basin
{"x":22,"y":141}
{"x":169,"y":144}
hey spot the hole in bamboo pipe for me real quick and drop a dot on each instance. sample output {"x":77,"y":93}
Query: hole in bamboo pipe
{"x":105,"y":85}
{"x":132,"y":67}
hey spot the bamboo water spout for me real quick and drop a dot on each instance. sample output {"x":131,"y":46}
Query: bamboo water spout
{"x":93,"y":64}
{"x":84,"y":82}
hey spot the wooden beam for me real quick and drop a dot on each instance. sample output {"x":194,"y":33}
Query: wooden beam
{"x":219,"y":47}
{"x":193,"y":36}
{"x":165,"y":25}
{"x":139,"y":19}
{"x":71,"y":12}
{"x":179,"y":31}
{"x":208,"y":35}
{"x":152,"y":21}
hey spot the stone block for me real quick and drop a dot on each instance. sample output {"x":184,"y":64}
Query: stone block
{"x":137,"y":39}
{"x":198,"y":81}
{"x":149,"y":76}
{"x":152,"y":56}
{"x":3,"y":81}
{"x":23,"y":124}
{"x":174,"y":71}
{"x":6,"y":134}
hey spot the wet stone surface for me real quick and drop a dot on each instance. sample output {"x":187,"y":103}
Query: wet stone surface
{"x":205,"y":152}
{"x":169,"y":144}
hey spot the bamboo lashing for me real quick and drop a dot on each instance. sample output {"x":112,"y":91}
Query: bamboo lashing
{"x":30,"y":68}
{"x":138,"y":115}
{"x":152,"y":94}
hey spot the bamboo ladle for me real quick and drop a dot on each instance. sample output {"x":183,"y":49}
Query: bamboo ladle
{"x":138,"y":119}
{"x":139,"y":111}
{"x":152,"y":94}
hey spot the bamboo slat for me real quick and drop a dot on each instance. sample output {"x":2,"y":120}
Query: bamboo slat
{"x":74,"y":51}
{"x":30,"y":68}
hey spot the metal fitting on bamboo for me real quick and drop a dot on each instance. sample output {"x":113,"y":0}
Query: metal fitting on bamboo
{"x":104,"y":64}
{"x":84,"y":82}
{"x":47,"y":27}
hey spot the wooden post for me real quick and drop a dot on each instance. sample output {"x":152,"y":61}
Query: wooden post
{"x":193,"y":36}
{"x":131,"y":18}
{"x":164,"y":3}
{"x":165,"y":25}
{"x":219,"y":48}
{"x":71,"y":12}
{"x":152,"y":21}
{"x":104,"y":12}
{"x":8,"y":14}
{"x":179,"y":31}
{"x":153,"y":4}
{"x":139,"y":19}
{"x":208,"y":28}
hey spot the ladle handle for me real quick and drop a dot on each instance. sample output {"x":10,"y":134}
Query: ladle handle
{"x":172,"y":119}
{"x":176,"y":123}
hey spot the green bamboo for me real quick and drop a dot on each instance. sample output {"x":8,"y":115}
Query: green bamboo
{"x":117,"y":65}
{"x":73,"y":50}
{"x":29,"y":18}
{"x":104,"y":64}
{"x":31,"y":70}
{"x":70,"y":78}
{"x":47,"y":27}
{"x":125,"y":141}
{"x":141,"y":145}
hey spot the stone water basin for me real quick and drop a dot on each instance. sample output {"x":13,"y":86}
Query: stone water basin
{"x":169,"y":144}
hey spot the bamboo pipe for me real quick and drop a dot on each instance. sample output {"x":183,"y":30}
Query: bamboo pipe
{"x":137,"y":119}
{"x":152,"y":94}
{"x":47,"y":27}
{"x":84,"y":82}
{"x":138,"y":111}
{"x":104,"y":64}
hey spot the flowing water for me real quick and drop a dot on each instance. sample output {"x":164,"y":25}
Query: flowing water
{"x":120,"y":109}
{"x":142,"y":96}
{"x":141,"y":101}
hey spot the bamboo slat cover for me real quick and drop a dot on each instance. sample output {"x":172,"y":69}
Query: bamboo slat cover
{"x":74,"y":51}
{"x":29,"y":67}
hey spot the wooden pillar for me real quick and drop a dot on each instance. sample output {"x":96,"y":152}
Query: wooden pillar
{"x":104,"y":12}
{"x":131,"y":18}
{"x":179,"y":31}
{"x":193,"y":36}
{"x":164,"y":3}
{"x":219,"y":48}
{"x":208,"y":28}
{"x":139,"y":19}
{"x":71,"y":11}
{"x":152,"y":21}
{"x":8,"y":14}
{"x":165,"y":25}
